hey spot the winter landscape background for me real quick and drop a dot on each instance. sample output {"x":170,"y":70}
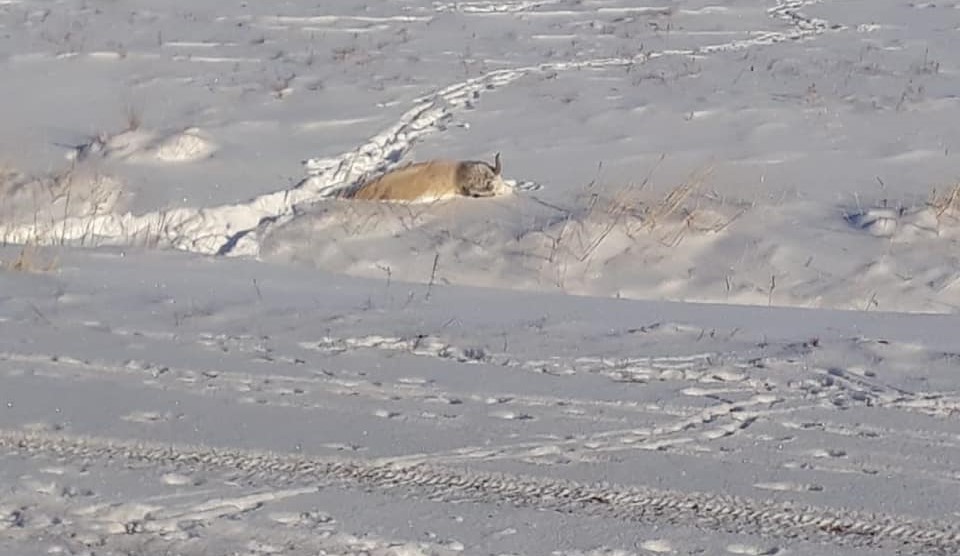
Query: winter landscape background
{"x":717,"y":316}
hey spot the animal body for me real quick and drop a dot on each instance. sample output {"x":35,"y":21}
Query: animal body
{"x":436,"y":179}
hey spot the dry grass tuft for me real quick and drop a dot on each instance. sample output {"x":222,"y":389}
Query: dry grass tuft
{"x":603,"y":226}
{"x":32,"y":259}
{"x":632,"y":211}
{"x":669,"y":218}
{"x":134,"y":118}
{"x":680,"y":204}
{"x":945,"y":204}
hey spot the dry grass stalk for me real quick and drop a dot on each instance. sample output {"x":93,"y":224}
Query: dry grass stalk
{"x":31,"y":259}
{"x":630,"y":208}
{"x":676,"y":201}
{"x":947,"y":203}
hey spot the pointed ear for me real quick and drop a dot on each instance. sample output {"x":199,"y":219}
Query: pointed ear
{"x":497,"y":168}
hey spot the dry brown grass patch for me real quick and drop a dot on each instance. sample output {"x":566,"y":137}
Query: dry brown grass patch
{"x":33,"y":259}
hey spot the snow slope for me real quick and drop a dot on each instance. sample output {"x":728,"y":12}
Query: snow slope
{"x":807,"y":114}
{"x":160,"y":403}
{"x":754,"y":202}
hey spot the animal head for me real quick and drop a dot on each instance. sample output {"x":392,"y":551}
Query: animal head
{"x":479,"y":179}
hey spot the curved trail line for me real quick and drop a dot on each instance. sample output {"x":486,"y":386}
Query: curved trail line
{"x":328,"y":175}
{"x":235,"y":229}
{"x":635,"y":503}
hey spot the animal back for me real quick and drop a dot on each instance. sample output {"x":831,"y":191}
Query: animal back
{"x":426,"y":181}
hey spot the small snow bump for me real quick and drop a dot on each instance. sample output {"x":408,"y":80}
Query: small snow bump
{"x":658,"y":546}
{"x":186,"y":146}
{"x":878,"y":222}
{"x":176,"y":479}
{"x":751,"y":550}
{"x":511,"y":416}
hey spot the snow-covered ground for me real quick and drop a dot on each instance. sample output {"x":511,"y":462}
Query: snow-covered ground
{"x":755,"y":202}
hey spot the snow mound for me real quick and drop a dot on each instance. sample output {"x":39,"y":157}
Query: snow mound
{"x":906,"y":225}
{"x":879,"y":222}
{"x":144,"y":146}
{"x":185,"y":146}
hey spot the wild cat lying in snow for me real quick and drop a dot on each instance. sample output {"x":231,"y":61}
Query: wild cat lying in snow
{"x":436,"y":179}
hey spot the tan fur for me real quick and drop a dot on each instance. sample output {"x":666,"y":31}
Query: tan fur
{"x":433,"y":180}
{"x":424,"y":181}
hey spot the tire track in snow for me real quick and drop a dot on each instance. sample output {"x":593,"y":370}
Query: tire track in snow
{"x":633,"y":503}
{"x":235,"y":229}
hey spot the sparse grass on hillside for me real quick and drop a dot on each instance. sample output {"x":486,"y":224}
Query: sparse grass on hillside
{"x":635,"y":210}
{"x":946,"y":204}
{"x":630,"y":221}
{"x":41,"y":209}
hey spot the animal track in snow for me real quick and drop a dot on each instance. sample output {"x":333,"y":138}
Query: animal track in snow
{"x":788,"y":487}
{"x":699,"y":367}
{"x":492,"y":6}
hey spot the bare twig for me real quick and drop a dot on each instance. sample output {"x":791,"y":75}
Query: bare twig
{"x":433,"y":276}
